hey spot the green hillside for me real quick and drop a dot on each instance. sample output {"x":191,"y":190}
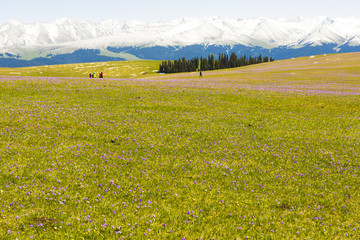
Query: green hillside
{"x":148,"y":68}
{"x":121,"y":69}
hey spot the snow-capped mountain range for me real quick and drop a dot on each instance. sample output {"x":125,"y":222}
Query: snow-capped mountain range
{"x":114,"y":39}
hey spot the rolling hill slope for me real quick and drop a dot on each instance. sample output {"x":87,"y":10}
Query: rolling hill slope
{"x":332,"y":74}
{"x":328,"y":65}
{"x":120,"y":69}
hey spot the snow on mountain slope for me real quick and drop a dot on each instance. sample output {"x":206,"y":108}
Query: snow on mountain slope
{"x":339,"y":31}
{"x":66,"y":34}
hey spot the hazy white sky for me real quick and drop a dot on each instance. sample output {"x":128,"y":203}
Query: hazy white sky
{"x":30,"y":11}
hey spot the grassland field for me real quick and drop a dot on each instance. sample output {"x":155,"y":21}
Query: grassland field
{"x":268,"y":151}
{"x":121,"y":69}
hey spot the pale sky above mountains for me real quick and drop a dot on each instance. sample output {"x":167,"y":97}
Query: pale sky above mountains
{"x":27,"y":11}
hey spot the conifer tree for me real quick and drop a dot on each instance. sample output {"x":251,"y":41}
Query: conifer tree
{"x":233,"y":60}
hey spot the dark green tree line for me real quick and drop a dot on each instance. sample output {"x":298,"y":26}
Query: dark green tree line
{"x":210,"y":63}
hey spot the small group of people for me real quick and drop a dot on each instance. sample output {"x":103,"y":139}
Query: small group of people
{"x":93,"y":75}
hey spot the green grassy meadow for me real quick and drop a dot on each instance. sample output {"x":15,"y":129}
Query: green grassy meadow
{"x":262,"y":152}
{"x":122,"y":69}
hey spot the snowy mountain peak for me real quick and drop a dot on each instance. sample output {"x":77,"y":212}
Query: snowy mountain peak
{"x":65,"y":21}
{"x":110,"y":22}
{"x":15,"y":22}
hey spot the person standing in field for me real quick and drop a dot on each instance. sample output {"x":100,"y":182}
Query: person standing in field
{"x":90,"y":75}
{"x":101,"y":75}
{"x":94,"y":75}
{"x":201,"y":74}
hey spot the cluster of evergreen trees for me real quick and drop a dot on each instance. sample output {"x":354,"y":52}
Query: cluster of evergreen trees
{"x":203,"y":64}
